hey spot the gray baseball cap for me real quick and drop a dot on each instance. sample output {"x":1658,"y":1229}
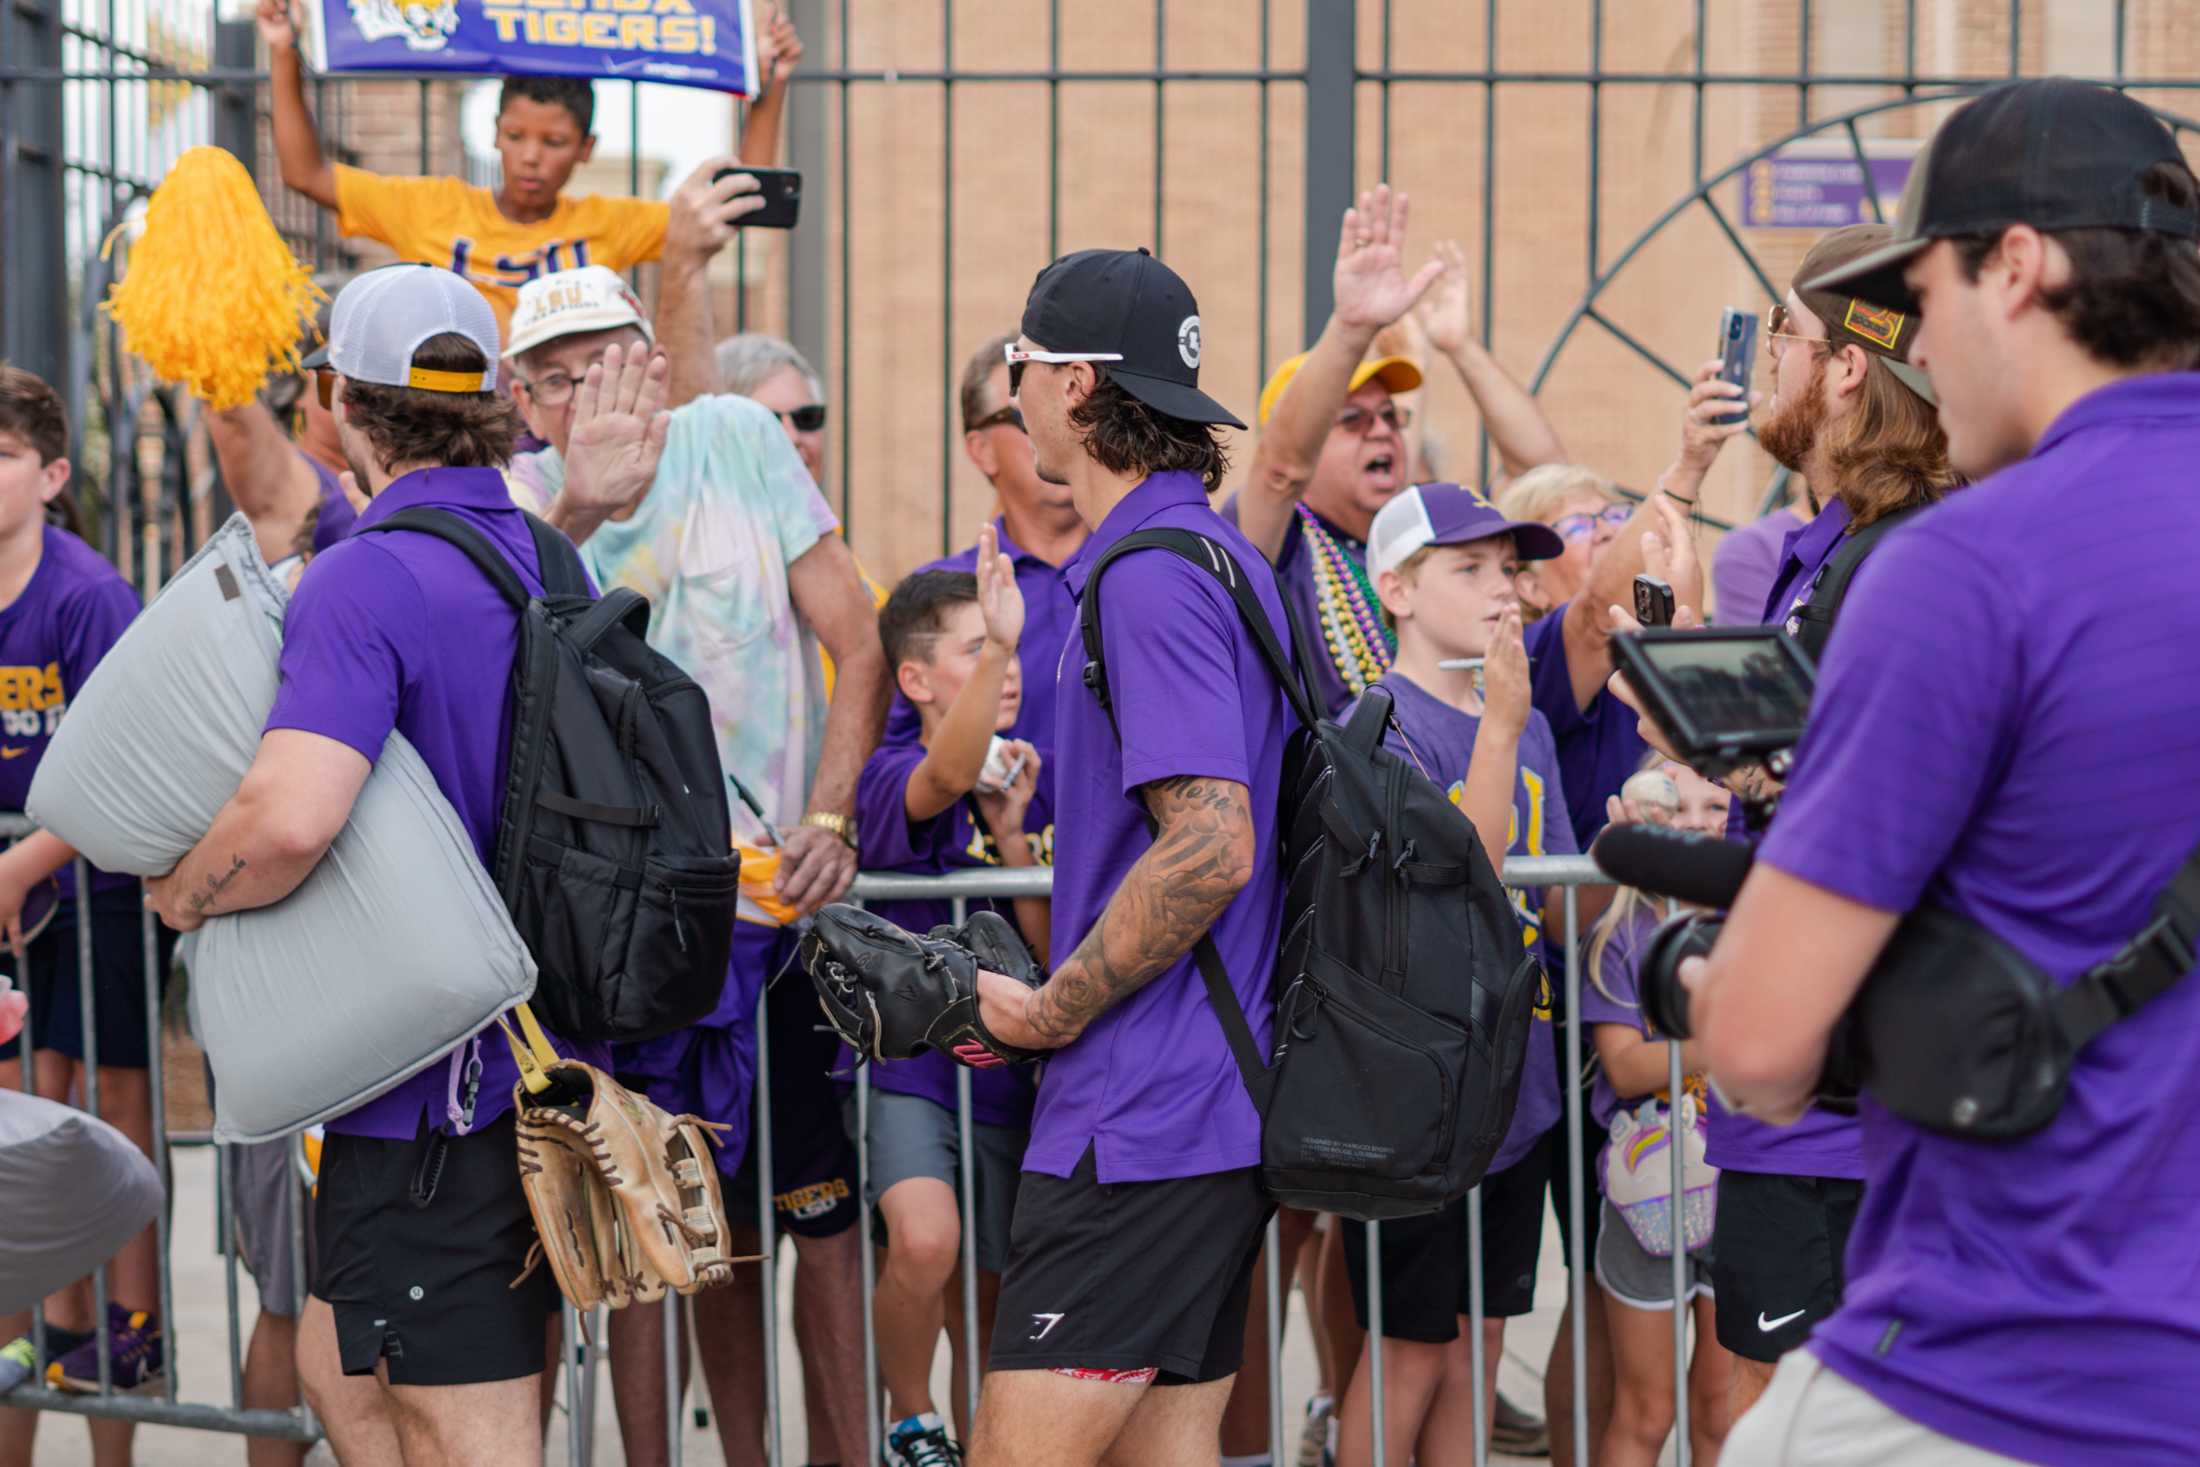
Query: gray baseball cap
{"x":379,"y":321}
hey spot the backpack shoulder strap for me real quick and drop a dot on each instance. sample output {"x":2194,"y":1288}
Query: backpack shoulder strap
{"x":2143,"y":968}
{"x":451,"y":530}
{"x":558,"y":560}
{"x":1831,"y":586}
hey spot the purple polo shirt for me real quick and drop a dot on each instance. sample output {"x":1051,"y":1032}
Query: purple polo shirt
{"x":953,"y":840}
{"x":1295,"y":578}
{"x":1743,"y":568}
{"x":1151,"y":1086}
{"x":52,"y":635}
{"x":1821,"y":1144}
{"x":2039,"y":773}
{"x":1049,"y":611}
{"x":337,"y":516}
{"x":1610,"y":995}
{"x":402,"y":632}
{"x":1598,"y":747}
{"x":1440,"y":739}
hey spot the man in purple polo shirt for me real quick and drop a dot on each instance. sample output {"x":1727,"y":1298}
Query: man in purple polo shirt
{"x":1122,"y":1314}
{"x":423,"y":1230}
{"x":2033,"y":1299}
{"x":1852,"y":416}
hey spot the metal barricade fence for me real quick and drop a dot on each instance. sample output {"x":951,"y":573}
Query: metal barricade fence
{"x":584,"y":1349}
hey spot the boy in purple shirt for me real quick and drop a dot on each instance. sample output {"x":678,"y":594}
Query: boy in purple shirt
{"x":423,"y":1229}
{"x":2029,"y":1299}
{"x":1444,"y":561}
{"x":960,"y":798}
{"x":1122,"y":1312}
{"x":61,"y":607}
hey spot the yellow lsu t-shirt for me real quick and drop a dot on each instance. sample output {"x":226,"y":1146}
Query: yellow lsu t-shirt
{"x":448,"y":222}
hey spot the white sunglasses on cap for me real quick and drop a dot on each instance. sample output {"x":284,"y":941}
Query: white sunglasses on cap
{"x":1016,"y":360}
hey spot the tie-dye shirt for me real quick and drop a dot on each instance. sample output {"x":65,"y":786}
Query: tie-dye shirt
{"x":731,"y":509}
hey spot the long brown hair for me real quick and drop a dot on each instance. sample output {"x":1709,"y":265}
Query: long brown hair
{"x":1890,"y":454}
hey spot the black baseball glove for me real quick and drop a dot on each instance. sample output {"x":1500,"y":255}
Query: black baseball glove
{"x":892,"y":994}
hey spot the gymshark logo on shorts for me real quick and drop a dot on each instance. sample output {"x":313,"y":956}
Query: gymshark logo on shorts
{"x":1767,"y":1326}
{"x":1045,"y":1324}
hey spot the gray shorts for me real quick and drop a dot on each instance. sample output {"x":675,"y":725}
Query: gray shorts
{"x":264,"y":1192}
{"x":1639,"y":1279}
{"x":913,"y":1137}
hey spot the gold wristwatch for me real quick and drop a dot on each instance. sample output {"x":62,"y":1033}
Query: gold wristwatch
{"x":840,"y":825}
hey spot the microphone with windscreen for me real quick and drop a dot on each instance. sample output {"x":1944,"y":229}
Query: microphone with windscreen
{"x":1702,"y":870}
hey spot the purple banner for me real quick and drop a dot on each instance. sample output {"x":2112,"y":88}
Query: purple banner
{"x":1818,"y":187}
{"x":696,"y":43}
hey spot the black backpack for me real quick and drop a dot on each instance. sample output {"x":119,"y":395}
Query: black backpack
{"x":1830,"y":586}
{"x":1403,"y":989}
{"x":613,"y":853}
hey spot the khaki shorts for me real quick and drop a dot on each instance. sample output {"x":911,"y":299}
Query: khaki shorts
{"x":1811,"y":1417}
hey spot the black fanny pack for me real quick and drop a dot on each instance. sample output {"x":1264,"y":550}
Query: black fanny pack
{"x":1958,"y":1032}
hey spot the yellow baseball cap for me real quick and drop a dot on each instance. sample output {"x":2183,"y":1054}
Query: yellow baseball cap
{"x":1399,"y":374}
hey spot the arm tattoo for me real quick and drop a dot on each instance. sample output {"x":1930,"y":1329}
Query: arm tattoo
{"x":1201,"y":857}
{"x":215,"y":886}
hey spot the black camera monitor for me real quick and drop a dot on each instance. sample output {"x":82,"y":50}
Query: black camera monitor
{"x":1728,"y":695}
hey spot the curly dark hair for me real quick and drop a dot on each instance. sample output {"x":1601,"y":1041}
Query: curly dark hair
{"x":574,"y":93}
{"x":2134,"y":294}
{"x":1124,"y":436}
{"x":467,"y":430}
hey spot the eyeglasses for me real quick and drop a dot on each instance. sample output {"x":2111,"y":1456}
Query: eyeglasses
{"x":551,"y":389}
{"x":1582,"y":526}
{"x":1016,"y":360}
{"x":1358,"y":421}
{"x":808,"y":418}
{"x":1008,"y":416}
{"x":1776,"y":331}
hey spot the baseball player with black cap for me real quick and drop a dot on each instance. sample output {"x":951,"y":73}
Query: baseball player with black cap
{"x":1123,"y":1305}
{"x":2004,"y":729}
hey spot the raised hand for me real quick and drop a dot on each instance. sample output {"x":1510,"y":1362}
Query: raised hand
{"x":706,"y":209}
{"x":786,"y":49}
{"x":1711,"y":397}
{"x":1443,"y":312}
{"x":1000,"y":599}
{"x":277,"y":26}
{"x":1369,"y":283}
{"x":1505,"y":692}
{"x":619,"y":428}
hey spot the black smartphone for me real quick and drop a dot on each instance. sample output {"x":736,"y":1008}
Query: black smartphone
{"x":782,"y":191}
{"x":1737,"y":357}
{"x":1653,"y":602}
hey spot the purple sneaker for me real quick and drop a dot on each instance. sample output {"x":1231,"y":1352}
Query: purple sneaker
{"x":133,"y":1348}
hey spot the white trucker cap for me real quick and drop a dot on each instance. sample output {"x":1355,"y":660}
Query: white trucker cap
{"x":382,"y":317}
{"x":570,"y":302}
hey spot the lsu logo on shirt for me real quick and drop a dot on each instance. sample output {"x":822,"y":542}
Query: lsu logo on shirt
{"x":986,"y":851}
{"x":516,"y":270}
{"x":32,"y":701}
{"x":1529,"y":798}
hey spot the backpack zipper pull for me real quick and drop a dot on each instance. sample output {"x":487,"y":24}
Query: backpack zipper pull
{"x":679,"y":924}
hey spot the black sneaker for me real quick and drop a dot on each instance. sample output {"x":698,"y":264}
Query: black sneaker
{"x":921,"y":1441}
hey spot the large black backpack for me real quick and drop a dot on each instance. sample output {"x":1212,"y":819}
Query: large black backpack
{"x":1403,"y":988}
{"x":613,"y":853}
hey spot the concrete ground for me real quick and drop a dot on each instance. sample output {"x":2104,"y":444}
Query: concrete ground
{"x":201,"y":1344}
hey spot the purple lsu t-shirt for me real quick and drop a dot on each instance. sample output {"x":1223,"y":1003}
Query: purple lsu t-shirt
{"x":72,"y":610}
{"x":403,"y":632}
{"x":1611,"y":994}
{"x":1821,"y":1144}
{"x":336,"y":516}
{"x":2039,"y":774}
{"x":1151,"y":1085}
{"x":953,"y":840}
{"x":1440,"y":739}
{"x":1598,"y":747}
{"x":1049,"y":611}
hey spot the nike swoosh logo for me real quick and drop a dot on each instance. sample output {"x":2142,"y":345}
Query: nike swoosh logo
{"x":13,"y":753}
{"x":1767,"y":1326}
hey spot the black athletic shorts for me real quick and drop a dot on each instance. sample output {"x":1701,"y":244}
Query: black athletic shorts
{"x":428,"y":1286}
{"x":1776,"y":1258}
{"x":1592,"y":1145}
{"x":813,"y":1158}
{"x":1131,"y":1276}
{"x":1425,"y":1278}
{"x":49,"y":971}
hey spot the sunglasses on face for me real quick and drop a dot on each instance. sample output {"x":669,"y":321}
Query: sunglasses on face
{"x":1358,"y":421}
{"x":1017,"y":360}
{"x":1009,"y":417}
{"x":1582,"y":526}
{"x":808,"y":418}
{"x":1776,"y":330}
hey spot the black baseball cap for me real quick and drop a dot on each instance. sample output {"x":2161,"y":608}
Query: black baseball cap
{"x":1127,"y":302}
{"x":2052,"y":153}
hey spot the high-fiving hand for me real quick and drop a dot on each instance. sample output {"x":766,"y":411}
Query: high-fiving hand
{"x":618,"y":432}
{"x":1369,"y":283}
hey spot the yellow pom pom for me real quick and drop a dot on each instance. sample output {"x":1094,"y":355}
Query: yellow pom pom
{"x":212,"y":298}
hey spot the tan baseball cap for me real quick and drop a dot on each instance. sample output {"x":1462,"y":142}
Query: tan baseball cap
{"x":571,"y":302}
{"x":1882,"y":331}
{"x":1399,"y":374}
